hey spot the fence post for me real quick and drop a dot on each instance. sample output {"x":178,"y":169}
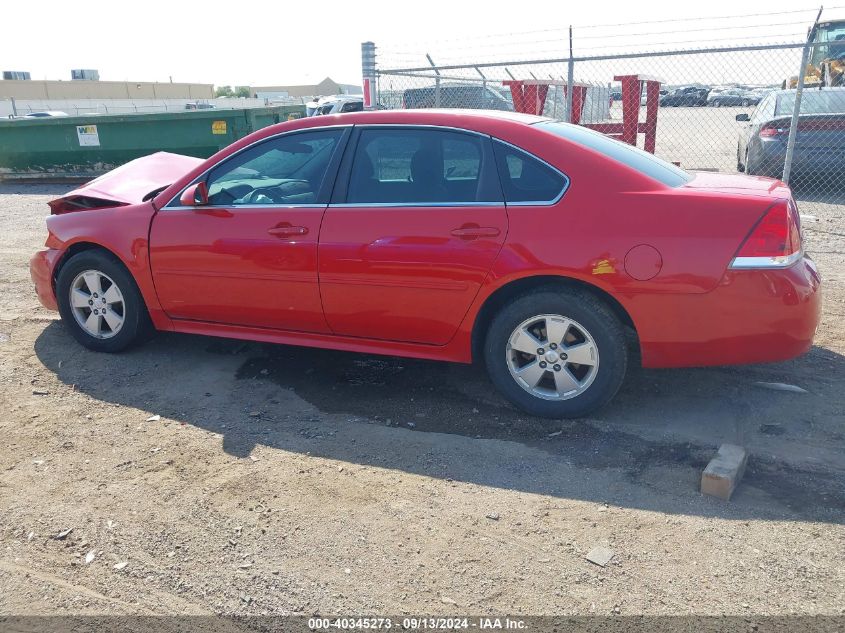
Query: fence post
{"x":796,"y":110}
{"x":368,"y":72}
{"x":570,"y":79}
{"x":436,"y":81}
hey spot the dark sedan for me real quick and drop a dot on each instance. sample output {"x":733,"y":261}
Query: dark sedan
{"x":689,"y":96}
{"x":733,"y":98}
{"x":819,"y":140}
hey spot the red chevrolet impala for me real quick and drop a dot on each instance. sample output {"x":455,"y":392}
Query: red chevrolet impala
{"x":553,"y":254}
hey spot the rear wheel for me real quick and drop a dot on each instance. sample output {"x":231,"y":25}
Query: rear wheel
{"x":556,"y":353}
{"x":100,"y":303}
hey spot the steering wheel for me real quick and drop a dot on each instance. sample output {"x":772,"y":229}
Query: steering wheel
{"x":259,"y":195}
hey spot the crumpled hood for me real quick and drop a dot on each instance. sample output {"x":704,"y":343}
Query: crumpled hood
{"x":127,"y":184}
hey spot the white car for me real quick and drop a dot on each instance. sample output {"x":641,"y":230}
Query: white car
{"x":44,"y":115}
{"x":337,"y":104}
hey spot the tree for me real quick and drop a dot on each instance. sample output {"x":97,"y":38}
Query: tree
{"x":243,"y":91}
{"x":224,"y":91}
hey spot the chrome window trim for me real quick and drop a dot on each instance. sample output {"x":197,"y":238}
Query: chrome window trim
{"x":536,"y":203}
{"x":766,"y":263}
{"x":243,"y":149}
{"x":358,"y":205}
{"x":203,"y":207}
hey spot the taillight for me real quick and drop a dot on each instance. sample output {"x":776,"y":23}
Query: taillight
{"x":774,"y":242}
{"x":773,"y":130}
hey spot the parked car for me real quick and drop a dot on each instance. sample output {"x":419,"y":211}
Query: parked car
{"x":46,"y":114}
{"x":689,"y":96}
{"x":733,"y":97}
{"x":819,"y":139}
{"x":200,"y":105}
{"x":540,"y":248}
{"x":473,"y":96}
{"x":336,"y":105}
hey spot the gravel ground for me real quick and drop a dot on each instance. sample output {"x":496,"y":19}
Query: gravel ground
{"x":287,"y":480}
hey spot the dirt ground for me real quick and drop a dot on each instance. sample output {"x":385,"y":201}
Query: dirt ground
{"x":287,"y":480}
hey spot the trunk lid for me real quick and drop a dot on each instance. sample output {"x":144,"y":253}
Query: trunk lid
{"x":127,"y":184}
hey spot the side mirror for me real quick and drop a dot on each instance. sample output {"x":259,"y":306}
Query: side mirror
{"x":743,"y":117}
{"x":194,"y":196}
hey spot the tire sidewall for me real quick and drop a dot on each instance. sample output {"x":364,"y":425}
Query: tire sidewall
{"x":136,"y":320}
{"x":590,"y":313}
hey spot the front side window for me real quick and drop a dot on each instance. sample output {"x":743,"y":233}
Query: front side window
{"x":422,"y":165}
{"x":525,"y":178}
{"x":286,"y":170}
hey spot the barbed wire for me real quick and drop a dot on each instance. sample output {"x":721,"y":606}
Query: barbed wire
{"x":467,"y":40}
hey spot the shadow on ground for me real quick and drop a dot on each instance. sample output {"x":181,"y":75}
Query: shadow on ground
{"x":661,"y":421}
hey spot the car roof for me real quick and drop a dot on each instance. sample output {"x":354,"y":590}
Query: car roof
{"x":431,"y":116}
{"x":823,"y":89}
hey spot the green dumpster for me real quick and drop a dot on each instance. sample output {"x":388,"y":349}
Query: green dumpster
{"x":82,"y":147}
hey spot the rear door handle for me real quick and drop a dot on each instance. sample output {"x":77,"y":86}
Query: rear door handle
{"x":286,"y":230}
{"x":472,"y":232}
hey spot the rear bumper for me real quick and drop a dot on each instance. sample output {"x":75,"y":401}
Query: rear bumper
{"x":41,"y":268}
{"x":753,"y":316}
{"x":769,"y":156}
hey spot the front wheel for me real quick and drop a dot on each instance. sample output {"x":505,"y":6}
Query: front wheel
{"x":556,"y":353}
{"x":100,"y":302}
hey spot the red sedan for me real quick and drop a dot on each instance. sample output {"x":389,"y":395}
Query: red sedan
{"x":553,"y":254}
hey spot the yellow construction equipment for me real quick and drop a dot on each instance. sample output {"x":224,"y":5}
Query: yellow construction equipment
{"x":826,"y":65}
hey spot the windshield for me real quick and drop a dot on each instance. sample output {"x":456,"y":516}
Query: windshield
{"x":645,"y":163}
{"x":813,"y":102}
{"x":832,"y":35}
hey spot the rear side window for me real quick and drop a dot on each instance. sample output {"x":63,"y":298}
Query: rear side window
{"x":422,"y":165}
{"x":645,"y":163}
{"x":525,"y":178}
{"x":353,"y":106}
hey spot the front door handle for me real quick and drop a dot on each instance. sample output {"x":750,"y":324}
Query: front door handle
{"x":471,"y":232}
{"x":287,"y":230}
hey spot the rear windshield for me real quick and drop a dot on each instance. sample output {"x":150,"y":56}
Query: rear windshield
{"x":813,"y":102}
{"x":645,"y":163}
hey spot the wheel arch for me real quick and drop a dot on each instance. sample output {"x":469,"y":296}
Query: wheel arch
{"x":524,"y":285}
{"x":80,"y":247}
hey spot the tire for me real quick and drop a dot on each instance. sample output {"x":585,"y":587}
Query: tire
{"x":745,"y":103}
{"x":585,"y":321}
{"x":124,"y":320}
{"x":717,"y":104}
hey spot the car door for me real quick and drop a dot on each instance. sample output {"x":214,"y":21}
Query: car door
{"x":417,"y":220}
{"x":749,"y":130}
{"x":249,"y":256}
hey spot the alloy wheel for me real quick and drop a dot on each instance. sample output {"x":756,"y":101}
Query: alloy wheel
{"x":97,"y":304}
{"x":552,"y":357}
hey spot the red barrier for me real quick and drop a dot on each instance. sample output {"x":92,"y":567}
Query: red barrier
{"x":529,"y":97}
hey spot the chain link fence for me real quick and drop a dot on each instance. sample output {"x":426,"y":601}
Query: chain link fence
{"x":726,"y":110}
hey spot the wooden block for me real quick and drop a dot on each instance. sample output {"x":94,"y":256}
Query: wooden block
{"x":724,"y":471}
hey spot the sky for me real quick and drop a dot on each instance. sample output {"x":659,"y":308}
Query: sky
{"x":278,"y":43}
